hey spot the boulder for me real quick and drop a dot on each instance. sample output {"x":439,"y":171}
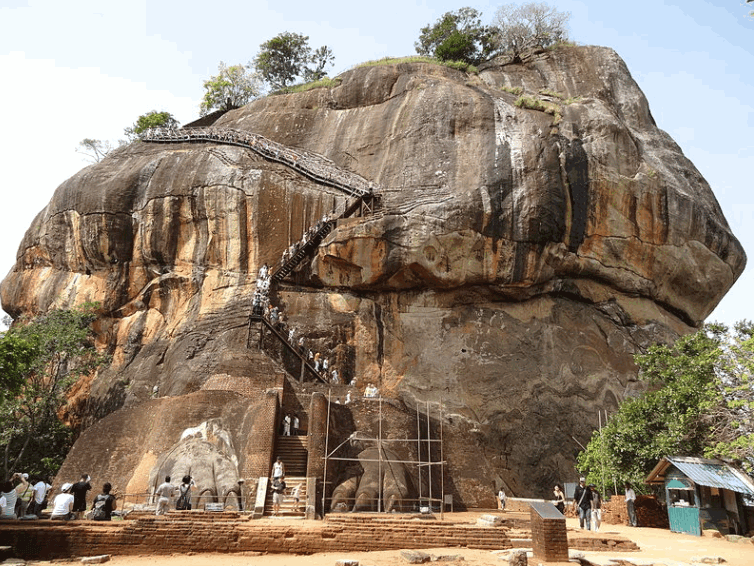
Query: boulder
{"x":516,"y":260}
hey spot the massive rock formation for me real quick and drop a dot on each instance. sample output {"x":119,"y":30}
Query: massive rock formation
{"x":536,"y":230}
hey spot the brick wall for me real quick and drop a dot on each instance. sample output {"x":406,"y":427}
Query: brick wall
{"x":196,"y":531}
{"x":258,"y":457}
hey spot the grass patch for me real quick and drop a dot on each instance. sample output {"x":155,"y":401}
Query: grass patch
{"x":531,"y":103}
{"x":517,"y":90}
{"x":548,"y":92}
{"x":572,"y":100}
{"x":458,"y":65}
{"x":325,"y":82}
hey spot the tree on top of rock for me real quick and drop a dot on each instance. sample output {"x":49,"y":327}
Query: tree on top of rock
{"x":526,"y":27}
{"x":149,"y":120}
{"x":287,"y":56}
{"x":458,"y":36}
{"x":232,"y":87}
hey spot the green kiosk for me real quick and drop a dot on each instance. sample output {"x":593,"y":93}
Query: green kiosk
{"x":704,"y":494}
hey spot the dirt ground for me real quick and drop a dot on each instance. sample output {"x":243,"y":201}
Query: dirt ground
{"x":658,"y":546}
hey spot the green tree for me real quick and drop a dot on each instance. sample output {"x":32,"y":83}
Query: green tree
{"x":149,"y":120}
{"x":46,"y":356}
{"x":459,"y":36}
{"x":732,"y":420}
{"x":670,"y":419}
{"x":232,"y":87}
{"x":526,"y":27}
{"x":287,"y":56}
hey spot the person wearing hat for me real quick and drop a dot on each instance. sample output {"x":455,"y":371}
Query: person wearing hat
{"x":582,"y":501}
{"x":62,"y":505}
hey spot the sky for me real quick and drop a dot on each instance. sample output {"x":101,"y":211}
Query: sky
{"x":88,"y":68}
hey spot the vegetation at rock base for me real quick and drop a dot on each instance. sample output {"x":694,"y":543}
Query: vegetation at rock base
{"x":459,"y":36}
{"x":149,"y":120}
{"x":288,"y":56}
{"x":41,"y":359}
{"x":700,"y":402}
{"x":231,"y":87}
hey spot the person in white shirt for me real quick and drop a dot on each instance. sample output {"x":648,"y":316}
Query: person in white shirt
{"x":40,"y":491}
{"x":63,"y":504}
{"x":164,"y":492}
{"x":278,"y":469}
{"x":501,"y":499}
{"x":630,"y":505}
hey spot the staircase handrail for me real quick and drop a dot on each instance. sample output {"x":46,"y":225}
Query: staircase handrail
{"x":292,"y":348}
{"x":316,"y":167}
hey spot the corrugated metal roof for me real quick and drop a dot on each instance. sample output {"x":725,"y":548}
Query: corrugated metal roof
{"x":713,"y":473}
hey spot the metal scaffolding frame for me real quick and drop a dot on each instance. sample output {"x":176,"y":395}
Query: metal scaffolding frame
{"x":420,"y":464}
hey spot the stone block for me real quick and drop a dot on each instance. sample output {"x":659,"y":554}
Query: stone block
{"x":96,"y":559}
{"x":415,"y":557}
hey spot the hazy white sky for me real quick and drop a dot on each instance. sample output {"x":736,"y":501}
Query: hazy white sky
{"x":88,"y":68}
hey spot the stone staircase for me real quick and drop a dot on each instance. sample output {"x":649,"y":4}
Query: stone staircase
{"x":292,"y":451}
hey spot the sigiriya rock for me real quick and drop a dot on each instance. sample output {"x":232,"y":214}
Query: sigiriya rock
{"x":531,"y":230}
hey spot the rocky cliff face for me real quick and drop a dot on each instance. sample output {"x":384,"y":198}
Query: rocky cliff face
{"x":521,"y":256}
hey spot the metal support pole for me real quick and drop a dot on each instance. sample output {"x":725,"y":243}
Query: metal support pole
{"x":442,"y":468}
{"x":379,"y":464}
{"x":327,"y":439}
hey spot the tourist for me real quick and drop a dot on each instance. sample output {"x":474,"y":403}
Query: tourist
{"x":39,"y":501}
{"x":317,"y":362}
{"x":79,"y":490}
{"x":278,"y":491}
{"x":164,"y":492}
{"x":8,"y":497}
{"x":183,"y":503}
{"x":325,"y":365}
{"x":62,"y":505}
{"x":631,"y":505}
{"x":104,"y":504}
{"x":501,"y":499}
{"x":291,"y":333}
{"x":24,"y":492}
{"x":278,"y":469}
{"x":297,"y":497}
{"x":582,"y":500}
{"x":348,"y":398}
{"x":560,"y":499}
{"x":334,"y":376}
{"x":596,"y":508}
{"x":287,"y":425}
{"x":294,"y":425}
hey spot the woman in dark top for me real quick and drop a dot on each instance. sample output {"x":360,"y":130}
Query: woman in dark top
{"x":104,"y":504}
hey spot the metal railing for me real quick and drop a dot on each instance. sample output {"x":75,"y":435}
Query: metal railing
{"x":316,"y":167}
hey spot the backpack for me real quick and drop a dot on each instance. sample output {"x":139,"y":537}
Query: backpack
{"x":183,"y":503}
{"x":99,"y":512}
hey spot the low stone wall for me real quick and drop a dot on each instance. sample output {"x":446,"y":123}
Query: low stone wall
{"x":196,"y":531}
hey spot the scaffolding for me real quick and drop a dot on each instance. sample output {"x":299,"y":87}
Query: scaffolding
{"x":423,"y":467}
